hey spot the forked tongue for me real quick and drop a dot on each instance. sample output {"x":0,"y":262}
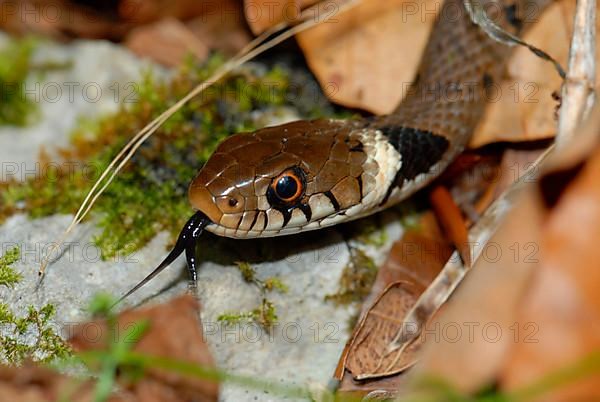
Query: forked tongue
{"x":185,"y":242}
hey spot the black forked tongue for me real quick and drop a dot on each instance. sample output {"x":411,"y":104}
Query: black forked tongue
{"x":185,"y":242}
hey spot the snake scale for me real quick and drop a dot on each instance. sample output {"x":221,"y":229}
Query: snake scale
{"x":306,"y":175}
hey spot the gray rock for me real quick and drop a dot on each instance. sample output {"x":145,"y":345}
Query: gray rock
{"x":101,"y":75}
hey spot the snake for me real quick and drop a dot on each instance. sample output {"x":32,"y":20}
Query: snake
{"x":310,"y":174}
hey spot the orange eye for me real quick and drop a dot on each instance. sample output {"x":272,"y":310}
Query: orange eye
{"x":288,"y":186}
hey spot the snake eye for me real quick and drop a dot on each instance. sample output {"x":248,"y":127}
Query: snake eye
{"x":289,"y":185}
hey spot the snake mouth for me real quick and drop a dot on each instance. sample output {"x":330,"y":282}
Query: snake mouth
{"x":186,"y":242}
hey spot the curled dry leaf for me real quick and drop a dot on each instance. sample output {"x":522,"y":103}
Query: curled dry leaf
{"x":367,"y":356}
{"x":419,"y":256}
{"x":468,"y":351}
{"x":174,"y":331}
{"x":413,"y":263}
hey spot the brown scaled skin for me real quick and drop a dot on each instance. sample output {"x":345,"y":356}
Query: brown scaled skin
{"x":235,"y":179}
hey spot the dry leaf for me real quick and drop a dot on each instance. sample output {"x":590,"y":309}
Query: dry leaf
{"x":367,"y":354}
{"x":522,"y":109}
{"x":415,"y":259}
{"x":60,"y":19}
{"x":146,"y":11}
{"x":514,"y":164}
{"x":219,"y":25}
{"x":562,"y":308}
{"x":33,"y":383}
{"x":167,"y":41}
{"x":175,"y":332}
{"x":222,"y":27}
{"x":366,"y":56}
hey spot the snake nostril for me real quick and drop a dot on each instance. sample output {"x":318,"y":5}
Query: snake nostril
{"x":230,"y":204}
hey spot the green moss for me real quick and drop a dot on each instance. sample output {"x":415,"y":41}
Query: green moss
{"x":8,"y":276}
{"x":248,"y":273}
{"x":273,"y":283}
{"x":264,"y":315}
{"x":357,"y":279}
{"x":150,"y":195}
{"x":47,"y":344}
{"x":15,"y":65}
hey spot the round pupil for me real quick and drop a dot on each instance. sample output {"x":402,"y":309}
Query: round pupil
{"x":286,"y":187}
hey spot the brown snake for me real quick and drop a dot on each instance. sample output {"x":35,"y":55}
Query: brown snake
{"x":306,"y":175}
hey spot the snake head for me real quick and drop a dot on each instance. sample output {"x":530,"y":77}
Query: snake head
{"x":298,"y":176}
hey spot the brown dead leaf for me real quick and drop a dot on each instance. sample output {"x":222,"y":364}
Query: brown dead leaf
{"x":416,"y":259}
{"x":61,"y":19}
{"x":367,"y":353}
{"x":147,"y":11}
{"x":478,"y":177}
{"x":175,"y":332}
{"x":32,"y":383}
{"x":216,"y":25}
{"x":366,"y":56}
{"x":522,"y":108}
{"x":562,"y":306}
{"x":221,"y":27}
{"x":514,"y":164}
{"x":167,"y":41}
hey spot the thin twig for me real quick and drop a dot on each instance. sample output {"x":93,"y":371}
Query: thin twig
{"x":578,"y":92}
{"x":479,"y":16}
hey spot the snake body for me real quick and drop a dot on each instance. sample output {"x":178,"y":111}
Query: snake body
{"x":349,"y":169}
{"x":306,"y":175}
